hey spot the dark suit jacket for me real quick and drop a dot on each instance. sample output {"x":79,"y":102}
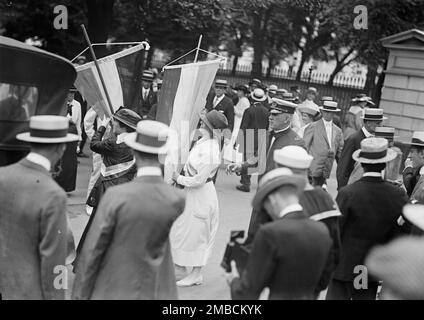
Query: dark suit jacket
{"x":370,"y":209}
{"x":33,"y":232}
{"x":410,"y":179}
{"x":255,"y":117}
{"x":346,"y":163}
{"x":226,"y":106}
{"x":141,"y":106}
{"x":284,"y":138}
{"x":127,"y":253}
{"x":288,"y":256}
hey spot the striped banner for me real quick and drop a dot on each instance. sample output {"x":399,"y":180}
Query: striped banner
{"x":120,"y":72}
{"x":182,"y":98}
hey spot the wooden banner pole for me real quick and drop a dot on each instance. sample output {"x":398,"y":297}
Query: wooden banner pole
{"x":198,"y":48}
{"x":93,"y":55}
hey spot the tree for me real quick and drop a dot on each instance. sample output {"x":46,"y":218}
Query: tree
{"x":30,"y":19}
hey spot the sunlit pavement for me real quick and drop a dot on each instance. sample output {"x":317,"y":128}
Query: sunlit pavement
{"x":234,"y":215}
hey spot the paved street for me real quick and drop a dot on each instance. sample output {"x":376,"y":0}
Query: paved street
{"x":234,"y":215}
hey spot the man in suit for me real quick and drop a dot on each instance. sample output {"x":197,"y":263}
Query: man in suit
{"x":147,"y":97}
{"x":289,"y":253}
{"x":317,"y":204}
{"x":372,"y":119}
{"x":126,"y":254}
{"x":324,"y":141}
{"x":35,"y":237}
{"x":413,"y":174}
{"x":370,"y":210}
{"x":254,"y":119}
{"x":221,"y":102}
{"x":353,"y":120}
{"x":279,"y":135}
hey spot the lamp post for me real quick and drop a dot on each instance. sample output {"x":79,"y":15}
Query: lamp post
{"x":311,"y":68}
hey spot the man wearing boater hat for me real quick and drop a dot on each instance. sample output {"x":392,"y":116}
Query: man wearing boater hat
{"x":372,"y":118}
{"x":221,"y":102}
{"x":289,"y":253}
{"x":324,"y":141}
{"x":34,"y":231}
{"x":370,"y":210}
{"x":127,"y":251}
{"x":147,"y":97}
{"x":317,"y":204}
{"x":255,"y":118}
{"x":353,"y":120}
{"x":413,"y":174}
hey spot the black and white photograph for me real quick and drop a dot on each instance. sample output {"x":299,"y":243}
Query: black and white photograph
{"x":212,"y":150}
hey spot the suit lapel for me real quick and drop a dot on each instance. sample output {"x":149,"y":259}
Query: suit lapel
{"x":321,"y":127}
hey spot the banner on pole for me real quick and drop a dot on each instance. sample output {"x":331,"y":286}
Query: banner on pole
{"x":181,"y":99}
{"x":121,"y":72}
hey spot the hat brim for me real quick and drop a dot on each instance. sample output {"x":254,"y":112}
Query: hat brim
{"x":415,"y":214}
{"x":308,"y":111}
{"x":207,"y":122}
{"x":330,"y":110}
{"x":373,"y":119}
{"x":25,"y":136}
{"x":259,"y":100}
{"x":129,"y":124}
{"x":130,"y":141}
{"x":264,"y":191}
{"x":414,"y":144}
{"x":388,"y":157}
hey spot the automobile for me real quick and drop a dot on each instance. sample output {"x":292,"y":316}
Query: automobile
{"x":32,"y":82}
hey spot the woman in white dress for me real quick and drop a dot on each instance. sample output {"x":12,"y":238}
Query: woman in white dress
{"x":242,"y":104}
{"x":309,"y":113}
{"x":193,"y":233}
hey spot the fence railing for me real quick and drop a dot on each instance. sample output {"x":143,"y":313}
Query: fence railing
{"x":342,"y":90}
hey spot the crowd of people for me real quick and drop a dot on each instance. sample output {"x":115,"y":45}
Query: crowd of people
{"x":145,"y":237}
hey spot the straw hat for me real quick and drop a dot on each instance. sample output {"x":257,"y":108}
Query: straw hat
{"x":258,"y":95}
{"x":150,"y":137}
{"x":147,"y":76}
{"x":294,"y":157}
{"x":48,"y":129}
{"x":385,"y":132}
{"x":373,"y":114}
{"x":330,"y":106}
{"x":417,"y":139}
{"x":273,"y":180}
{"x":374,"y":150}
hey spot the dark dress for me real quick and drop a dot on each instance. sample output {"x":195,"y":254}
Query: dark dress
{"x":65,"y":170}
{"x":114,"y":155}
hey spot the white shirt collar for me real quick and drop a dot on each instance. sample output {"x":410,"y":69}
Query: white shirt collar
{"x":218,"y":99}
{"x":422,"y":171}
{"x":40,"y":160}
{"x":146,"y":90}
{"x":149,"y":171}
{"x":283,"y":129}
{"x":120,"y":138}
{"x":372,"y":174}
{"x":291,"y":208}
{"x":366,"y":133}
{"x":327,"y":123}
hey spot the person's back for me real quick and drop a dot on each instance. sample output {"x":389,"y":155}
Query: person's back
{"x":300,"y":260}
{"x":134,"y":260}
{"x":370,"y":209}
{"x":32,"y":232}
{"x":288,"y":256}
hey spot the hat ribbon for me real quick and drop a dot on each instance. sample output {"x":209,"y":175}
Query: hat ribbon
{"x":373,"y":155}
{"x":43,"y":133}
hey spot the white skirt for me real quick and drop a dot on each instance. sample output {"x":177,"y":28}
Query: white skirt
{"x":193,"y":233}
